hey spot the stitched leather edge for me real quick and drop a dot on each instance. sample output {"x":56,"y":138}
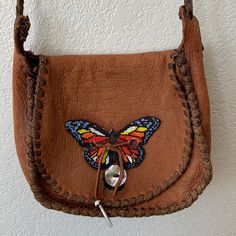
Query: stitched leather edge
{"x":33,"y":135}
{"x":35,"y":165}
{"x":187,"y":153}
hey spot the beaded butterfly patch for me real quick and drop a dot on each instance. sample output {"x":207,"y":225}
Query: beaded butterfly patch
{"x":101,"y":147}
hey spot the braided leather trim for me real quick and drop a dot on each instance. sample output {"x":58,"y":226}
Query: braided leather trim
{"x":37,"y":168}
{"x":77,"y":204}
{"x":74,"y":198}
{"x":185,"y":89}
{"x":205,"y":172}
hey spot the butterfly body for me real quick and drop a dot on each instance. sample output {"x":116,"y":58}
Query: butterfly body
{"x":113,"y":136}
{"x":102,"y":146}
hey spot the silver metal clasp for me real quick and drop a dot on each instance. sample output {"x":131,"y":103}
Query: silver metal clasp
{"x":98,"y":204}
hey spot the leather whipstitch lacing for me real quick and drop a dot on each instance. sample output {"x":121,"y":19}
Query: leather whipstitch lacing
{"x":186,"y":79}
{"x":184,"y":87}
{"x":38,"y":113}
{"x":180,"y":62}
{"x":33,"y":143}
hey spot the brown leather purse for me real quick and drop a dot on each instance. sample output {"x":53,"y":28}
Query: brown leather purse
{"x":83,"y":137}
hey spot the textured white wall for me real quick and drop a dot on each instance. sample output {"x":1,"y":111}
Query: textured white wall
{"x":116,"y":26}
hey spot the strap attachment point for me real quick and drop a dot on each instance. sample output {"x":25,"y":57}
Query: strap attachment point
{"x":22,"y":26}
{"x":188,"y":5}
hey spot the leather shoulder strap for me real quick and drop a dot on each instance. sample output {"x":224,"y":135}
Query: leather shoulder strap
{"x":19,"y":8}
{"x":191,"y":39}
{"x":188,"y":5}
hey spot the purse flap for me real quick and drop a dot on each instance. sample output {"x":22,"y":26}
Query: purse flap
{"x":111,"y":91}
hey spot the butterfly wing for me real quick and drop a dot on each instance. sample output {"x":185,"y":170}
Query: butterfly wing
{"x":87,"y":134}
{"x":93,"y":155}
{"x":132,"y":156}
{"x":137,"y":133}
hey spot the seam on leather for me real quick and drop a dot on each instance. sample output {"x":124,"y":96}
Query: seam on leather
{"x":37,"y":114}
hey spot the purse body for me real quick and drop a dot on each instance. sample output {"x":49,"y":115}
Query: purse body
{"x":113,"y":90}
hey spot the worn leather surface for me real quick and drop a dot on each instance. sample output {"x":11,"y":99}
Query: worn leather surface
{"x":180,"y":191}
{"x":20,"y":110}
{"x":112,"y":90}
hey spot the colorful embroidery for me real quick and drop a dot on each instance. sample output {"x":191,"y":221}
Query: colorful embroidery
{"x":129,"y":141}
